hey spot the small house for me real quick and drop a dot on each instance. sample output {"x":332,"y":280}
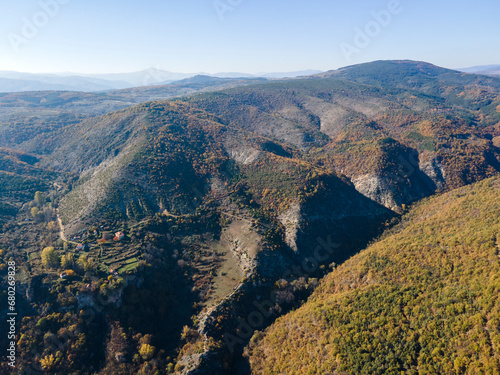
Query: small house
{"x":119,"y":236}
{"x":80,"y":247}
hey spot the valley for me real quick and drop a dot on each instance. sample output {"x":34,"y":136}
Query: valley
{"x":321,"y":224}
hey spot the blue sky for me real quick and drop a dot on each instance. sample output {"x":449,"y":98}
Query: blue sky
{"x":243,"y":35}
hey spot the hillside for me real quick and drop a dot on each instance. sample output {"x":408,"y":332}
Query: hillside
{"x":422,"y":299}
{"x":20,"y":179}
{"x":396,"y":142}
{"x":440,"y":125}
{"x":29,"y":120}
{"x":211,"y":216}
{"x":198,"y":207}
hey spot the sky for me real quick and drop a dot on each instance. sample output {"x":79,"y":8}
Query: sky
{"x":251,"y":36}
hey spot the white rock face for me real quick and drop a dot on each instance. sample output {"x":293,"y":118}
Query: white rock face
{"x":291,"y":221}
{"x":376,"y":188}
{"x":394,"y":190}
{"x":434,"y":169}
{"x":244,"y":155}
{"x":240,"y":151}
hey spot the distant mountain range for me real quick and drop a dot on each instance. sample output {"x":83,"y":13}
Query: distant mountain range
{"x":11,"y":81}
{"x":489,"y":70}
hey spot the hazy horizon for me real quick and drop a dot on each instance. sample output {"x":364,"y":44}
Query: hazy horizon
{"x":156,"y":68}
{"x":213,"y":72}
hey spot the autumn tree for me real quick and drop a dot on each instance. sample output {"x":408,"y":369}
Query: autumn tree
{"x":147,"y":351}
{"x":39,"y":199}
{"x":85,"y":264}
{"x":50,"y":259}
{"x":52,"y":226}
{"x":68,"y":261}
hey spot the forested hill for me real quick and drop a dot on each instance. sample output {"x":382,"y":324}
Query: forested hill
{"x":421,"y":300}
{"x":400,"y":130}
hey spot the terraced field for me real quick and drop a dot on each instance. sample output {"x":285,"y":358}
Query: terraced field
{"x":117,"y":257}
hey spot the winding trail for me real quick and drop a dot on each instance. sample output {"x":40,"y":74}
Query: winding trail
{"x":61,"y":229}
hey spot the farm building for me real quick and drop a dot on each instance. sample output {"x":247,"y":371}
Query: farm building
{"x":119,"y":236}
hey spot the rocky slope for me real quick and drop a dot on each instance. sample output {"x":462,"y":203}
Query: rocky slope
{"x":397,"y":141}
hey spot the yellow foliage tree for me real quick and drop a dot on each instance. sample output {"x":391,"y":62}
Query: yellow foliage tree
{"x":68,"y":261}
{"x":48,"y":362}
{"x":147,"y":351}
{"x":50,"y":259}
